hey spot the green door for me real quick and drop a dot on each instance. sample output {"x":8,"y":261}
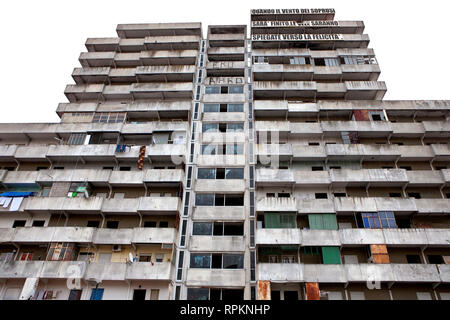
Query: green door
{"x":331,"y":255}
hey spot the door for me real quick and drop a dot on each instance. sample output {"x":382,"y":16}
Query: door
{"x":139,"y":294}
{"x":96,"y":294}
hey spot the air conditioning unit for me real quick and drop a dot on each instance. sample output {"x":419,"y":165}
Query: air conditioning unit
{"x":323,"y":294}
{"x":117,"y":248}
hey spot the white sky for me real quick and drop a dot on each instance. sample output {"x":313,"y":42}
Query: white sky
{"x":41,"y":41}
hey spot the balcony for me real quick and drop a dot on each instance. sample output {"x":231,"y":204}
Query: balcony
{"x":90,"y":75}
{"x":266,"y":152}
{"x":358,"y":237}
{"x":58,"y":204}
{"x":274,"y":177}
{"x":96,"y":177}
{"x":20,"y":177}
{"x":227,"y":40}
{"x":167,"y":152}
{"x":159,"y":90}
{"x":142,"y":30}
{"x":369,"y":272}
{"x":101,"y":271}
{"x":308,"y":153}
{"x":416,"y":153}
{"x":416,"y":273}
{"x":102,"y":44}
{"x":92,"y":152}
{"x":97,"y":59}
{"x":284,"y":89}
{"x":425,"y":178}
{"x":429,"y":206}
{"x":438,"y":129}
{"x":217,"y":243}
{"x":320,"y":238}
{"x":84,"y":92}
{"x":169,"y":57}
{"x":369,"y":129}
{"x":215,"y":278}
{"x":31,"y":153}
{"x":362,"y":152}
{"x":221,"y":160}
{"x":159,"y":205}
{"x":278,"y":237}
{"x":131,"y":45}
{"x":280,"y":272}
{"x":441,"y":152}
{"x":357,"y":204}
{"x":172,"y":42}
{"x":276,"y":204}
{"x":52,"y":234}
{"x":174,"y":73}
{"x":374,"y":177}
{"x":226,"y":53}
{"x":324,"y":273}
{"x":122,"y":75}
{"x":148,"y":271}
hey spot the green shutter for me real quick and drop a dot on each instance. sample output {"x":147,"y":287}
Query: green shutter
{"x":329,"y":222}
{"x":331,"y":255}
{"x":322,"y":222}
{"x":272,"y":220}
{"x":315,"y":221}
{"x":288,"y":220}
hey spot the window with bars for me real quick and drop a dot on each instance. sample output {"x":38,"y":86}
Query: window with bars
{"x":109,"y":117}
{"x":358,"y":60}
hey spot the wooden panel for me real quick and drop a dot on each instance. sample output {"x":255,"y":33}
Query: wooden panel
{"x":312,"y":291}
{"x":378,"y":249}
{"x":381,"y":259}
{"x":264,"y":290}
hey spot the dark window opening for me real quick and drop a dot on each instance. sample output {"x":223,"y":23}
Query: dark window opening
{"x":435,"y":259}
{"x":403,"y":223}
{"x":275,"y":295}
{"x":314,"y":144}
{"x":284,"y":195}
{"x":317,"y":168}
{"x":150,"y":224}
{"x":413,"y":258}
{"x":321,"y":196}
{"x":270,"y":195}
{"x":38,"y":223}
{"x":108,"y":168}
{"x":340,"y":195}
{"x":215,"y":294}
{"x":290,"y":295}
{"x":139,"y":294}
{"x":216,"y":261}
{"x":234,"y":200}
{"x":125,"y":169}
{"x":407,"y":168}
{"x":220,"y":173}
{"x":93,"y":224}
{"x":395,"y":195}
{"x":414,"y":195}
{"x":163,"y":224}
{"x":233,"y":229}
{"x":19,"y":223}
{"x":232,"y":294}
{"x":112,"y":224}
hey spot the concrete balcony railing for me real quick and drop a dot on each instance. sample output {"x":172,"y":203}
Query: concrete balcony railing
{"x":127,"y":59}
{"x":102,"y":44}
{"x":275,"y":177}
{"x":175,"y":73}
{"x":89,"y":235}
{"x":122,"y":75}
{"x":223,"y":137}
{"x":432,"y":205}
{"x":7,"y":152}
{"x":424,"y":178}
{"x":220,"y":186}
{"x":100,"y":271}
{"x":76,"y":175}
{"x":280,"y":72}
{"x":364,"y":128}
{"x":144,"y":270}
{"x":167,"y":176}
{"x":159,"y":205}
{"x":362,"y":151}
{"x":20,"y":177}
{"x":315,"y":206}
{"x":441,"y":152}
{"x":354,"y":237}
{"x":131,"y":45}
{"x":360,"y":72}
{"x":276,"y":205}
{"x":308,"y":153}
{"x":221,"y":160}
{"x":160,"y":90}
{"x":40,"y":269}
{"x":224,"y":116}
{"x":437,"y":128}
{"x":280,"y":272}
{"x":58,"y":204}
{"x":416,"y":153}
{"x":324,"y":273}
{"x":97,"y":59}
{"x":278,"y":236}
{"x":142,"y":30}
{"x":91,"y":75}
{"x":267,"y":151}
{"x":357,"y":204}
{"x":52,"y":234}
{"x":219,"y":213}
{"x":407,"y":129}
{"x":215,"y":277}
{"x":32,"y":153}
{"x":376,"y":177}
{"x":226,"y":53}
{"x":172,"y":42}
{"x":217,"y":243}
{"x":307,"y":178}
{"x":94,"y":152}
{"x":167,"y":152}
{"x":225,"y":68}
{"x":169,"y":57}
{"x":86,"y":92}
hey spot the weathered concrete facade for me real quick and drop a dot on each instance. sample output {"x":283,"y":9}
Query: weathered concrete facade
{"x":261,"y":166}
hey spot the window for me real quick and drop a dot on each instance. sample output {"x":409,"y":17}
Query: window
{"x":197,"y":294}
{"x":202,"y":261}
{"x":235,"y":127}
{"x":321,"y":196}
{"x":395,"y":195}
{"x":220,"y":173}
{"x":145,"y":257}
{"x":299,"y":60}
{"x":112,"y":224}
{"x":317,"y":168}
{"x":211,"y":108}
{"x":75,"y":294}
{"x":38,"y":223}
{"x":413,"y":259}
{"x":288,"y":259}
{"x":414,"y":195}
{"x":235,"y":108}
{"x":204,"y":199}
{"x":233,"y":261}
{"x":435,"y":259}
{"x":93,"y":224}
{"x":234,"y":149}
{"x":284,"y":195}
{"x":109,"y":117}
{"x":125,"y":169}
{"x":202,"y":228}
{"x":19,"y":223}
{"x":163,"y":224}
{"x":217,"y":261}
{"x":375,"y":220}
{"x":154,"y":294}
{"x":139,"y":294}
{"x":159,"y":257}
{"x":219,"y":200}
{"x":340,"y":195}
{"x":224,"y":89}
{"x":218,"y":229}
{"x":77,"y":139}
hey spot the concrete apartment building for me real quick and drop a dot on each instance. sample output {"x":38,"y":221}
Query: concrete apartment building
{"x":249,"y":167}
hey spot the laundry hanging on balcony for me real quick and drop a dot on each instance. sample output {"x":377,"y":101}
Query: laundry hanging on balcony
{"x":13,"y":198}
{"x":121,"y":148}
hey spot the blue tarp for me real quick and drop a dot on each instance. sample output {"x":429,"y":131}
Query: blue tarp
{"x":16,"y":194}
